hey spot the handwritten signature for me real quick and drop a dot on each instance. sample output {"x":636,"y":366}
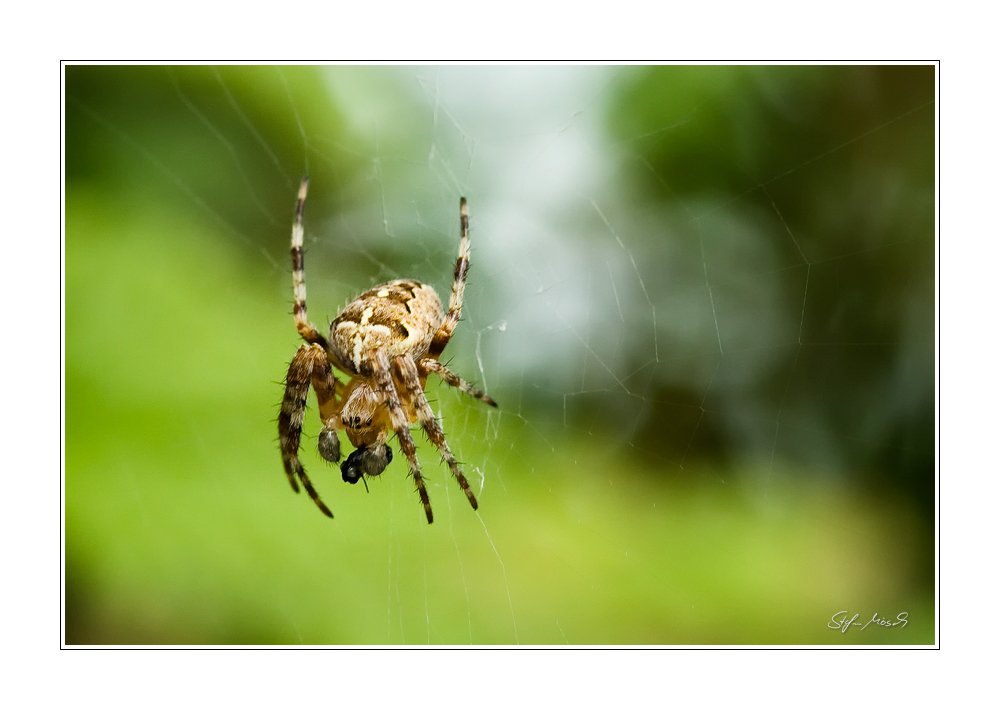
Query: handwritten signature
{"x":840,"y":621}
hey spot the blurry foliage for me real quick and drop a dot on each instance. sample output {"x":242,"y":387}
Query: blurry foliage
{"x":805,"y":198}
{"x":221,"y":136}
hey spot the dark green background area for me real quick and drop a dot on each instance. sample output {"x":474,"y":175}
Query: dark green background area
{"x":738,"y":445}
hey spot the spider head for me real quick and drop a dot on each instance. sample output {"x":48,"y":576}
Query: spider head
{"x":363,"y":417}
{"x":366,"y":461}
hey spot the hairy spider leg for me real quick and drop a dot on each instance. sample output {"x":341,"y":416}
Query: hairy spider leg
{"x":309,"y":364}
{"x":383,"y":377}
{"x":444,"y":333}
{"x":411,"y":381}
{"x":428,"y":364}
{"x":306,"y":329}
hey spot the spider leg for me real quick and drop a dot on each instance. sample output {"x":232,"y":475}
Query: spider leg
{"x":306,"y":329}
{"x":411,"y":380}
{"x":293,"y":407}
{"x":383,"y":378}
{"x":429,"y":364}
{"x":443,"y":334}
{"x":327,"y":385}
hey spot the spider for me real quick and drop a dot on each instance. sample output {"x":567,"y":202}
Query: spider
{"x":387,"y":341}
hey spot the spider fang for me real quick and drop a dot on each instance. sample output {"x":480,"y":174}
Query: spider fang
{"x":366,"y":462}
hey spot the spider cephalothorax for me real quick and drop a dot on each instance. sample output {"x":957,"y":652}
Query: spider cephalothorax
{"x":387,"y":341}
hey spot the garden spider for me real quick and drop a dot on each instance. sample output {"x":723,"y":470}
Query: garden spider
{"x":387,"y":340}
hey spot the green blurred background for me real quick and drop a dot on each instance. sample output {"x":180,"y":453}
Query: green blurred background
{"x":704,"y":298}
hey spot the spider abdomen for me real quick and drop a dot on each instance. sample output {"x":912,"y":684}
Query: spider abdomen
{"x":399,"y":317}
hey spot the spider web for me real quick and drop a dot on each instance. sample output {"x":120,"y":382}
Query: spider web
{"x":703,"y":297}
